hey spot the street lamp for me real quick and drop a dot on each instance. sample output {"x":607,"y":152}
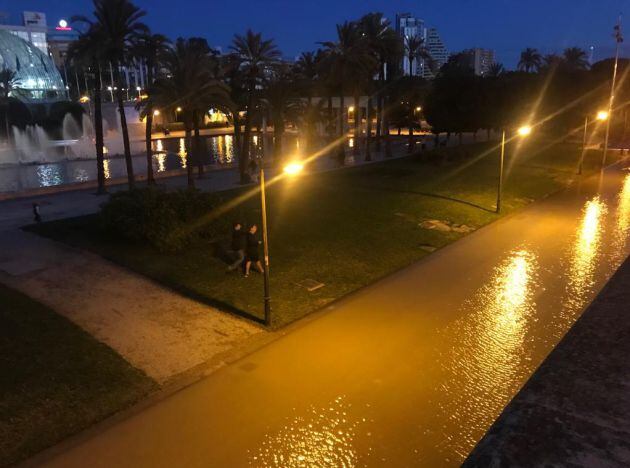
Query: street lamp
{"x":523,"y":131}
{"x":290,"y":169}
{"x":601,"y":116}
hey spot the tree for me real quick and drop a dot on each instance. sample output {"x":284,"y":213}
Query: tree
{"x":88,"y":51}
{"x":116,"y":23}
{"x":306,"y":77}
{"x":8,"y":83}
{"x":346,"y":61}
{"x":386,"y":47}
{"x":149,"y":49}
{"x":416,"y":50}
{"x":189,"y":81}
{"x":530,"y":60}
{"x":254,"y":56}
{"x":279,"y":94}
{"x":496,"y":69}
{"x":575,"y":58}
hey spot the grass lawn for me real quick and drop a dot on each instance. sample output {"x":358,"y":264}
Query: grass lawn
{"x":56,"y":379}
{"x":345,"y":228}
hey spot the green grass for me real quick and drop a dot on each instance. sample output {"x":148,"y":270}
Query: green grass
{"x":346,"y":228}
{"x":56,"y":379}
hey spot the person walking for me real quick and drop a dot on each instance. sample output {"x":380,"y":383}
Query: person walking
{"x":251,"y":251}
{"x":237,"y":246}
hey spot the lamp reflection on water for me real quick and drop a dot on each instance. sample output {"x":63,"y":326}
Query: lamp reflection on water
{"x":106,"y":169}
{"x":321,"y":437}
{"x":182,"y":151}
{"x":489,"y":356}
{"x":583,"y":257}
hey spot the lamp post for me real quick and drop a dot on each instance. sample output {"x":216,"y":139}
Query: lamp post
{"x":601,"y":115}
{"x":289,"y":169}
{"x":523,"y":132}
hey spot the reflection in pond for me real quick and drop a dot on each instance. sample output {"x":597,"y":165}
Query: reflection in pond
{"x":107,"y":172}
{"x":182,"y":152}
{"x":489,"y":356}
{"x":50,"y":174}
{"x":583,"y":258}
{"x":322,"y":438}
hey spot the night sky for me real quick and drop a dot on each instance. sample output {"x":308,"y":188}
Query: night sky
{"x":507,"y":26}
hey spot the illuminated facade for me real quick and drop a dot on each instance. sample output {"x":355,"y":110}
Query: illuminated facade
{"x":37,"y":79}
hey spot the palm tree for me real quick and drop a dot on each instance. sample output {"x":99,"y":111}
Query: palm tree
{"x":306,"y":75}
{"x":254,"y":55}
{"x":189,"y":82}
{"x":575,"y":58}
{"x":117,"y":23}
{"x":279,"y":94}
{"x":88,"y":51}
{"x":415,"y":50}
{"x":345,"y":62}
{"x":149,"y":49}
{"x":8,"y":84}
{"x":386,"y":46}
{"x":530,"y":61}
{"x":496,"y":69}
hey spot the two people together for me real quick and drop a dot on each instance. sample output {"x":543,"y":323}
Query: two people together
{"x":244,"y":248}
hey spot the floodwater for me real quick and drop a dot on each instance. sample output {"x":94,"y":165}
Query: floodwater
{"x":409,"y":372}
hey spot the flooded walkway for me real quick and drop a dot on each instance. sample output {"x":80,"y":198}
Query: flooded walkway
{"x":409,"y":372}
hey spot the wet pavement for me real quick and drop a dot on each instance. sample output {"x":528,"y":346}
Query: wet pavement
{"x":574,"y":410}
{"x":411,"y":371}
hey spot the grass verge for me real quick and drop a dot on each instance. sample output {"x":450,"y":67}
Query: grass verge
{"x":348,"y":228}
{"x":56,"y":379}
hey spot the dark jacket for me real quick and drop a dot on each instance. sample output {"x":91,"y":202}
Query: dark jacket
{"x":238,"y":239}
{"x":252,"y":244}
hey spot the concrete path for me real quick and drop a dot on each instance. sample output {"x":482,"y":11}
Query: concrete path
{"x":574,"y":410}
{"x":409,"y":372}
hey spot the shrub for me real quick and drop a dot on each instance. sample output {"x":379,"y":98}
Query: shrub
{"x":167,"y":220}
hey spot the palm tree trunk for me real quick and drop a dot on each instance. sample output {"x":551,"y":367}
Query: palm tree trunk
{"x":379,"y":106}
{"x":357,"y":125}
{"x":148,"y":131}
{"x":329,"y":130}
{"x":278,"y":132}
{"x":388,"y":143}
{"x":411,"y":142}
{"x":236,"y":142}
{"x":341,"y":150}
{"x":244,"y":156}
{"x":197,"y":145}
{"x":368,"y":130}
{"x":125,"y":131}
{"x":98,"y":131}
{"x":189,"y":161}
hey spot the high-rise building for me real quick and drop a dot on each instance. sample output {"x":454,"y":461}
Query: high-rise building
{"x":33,"y":29}
{"x":408,"y":26}
{"x":437,"y":50}
{"x":479,"y":60}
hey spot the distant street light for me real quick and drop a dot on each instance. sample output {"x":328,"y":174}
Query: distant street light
{"x":601,"y":116}
{"x":290,"y":169}
{"x":156,"y":112}
{"x":523,"y":131}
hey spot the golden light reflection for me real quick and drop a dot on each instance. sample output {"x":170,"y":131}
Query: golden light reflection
{"x":323,"y":437}
{"x":229,"y":149}
{"x":587,"y":243}
{"x":622,"y":221}
{"x":489,"y":356}
{"x":351,"y":142}
{"x":161,"y":161}
{"x":159,"y":147}
{"x":182,"y":151}
{"x":106,"y":169}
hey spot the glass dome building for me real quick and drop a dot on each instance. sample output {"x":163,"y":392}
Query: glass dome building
{"x":37,"y":78}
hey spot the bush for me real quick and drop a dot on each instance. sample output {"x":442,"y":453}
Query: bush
{"x":167,"y":220}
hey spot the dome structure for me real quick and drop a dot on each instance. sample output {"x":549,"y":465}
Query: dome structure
{"x":37,"y":79}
